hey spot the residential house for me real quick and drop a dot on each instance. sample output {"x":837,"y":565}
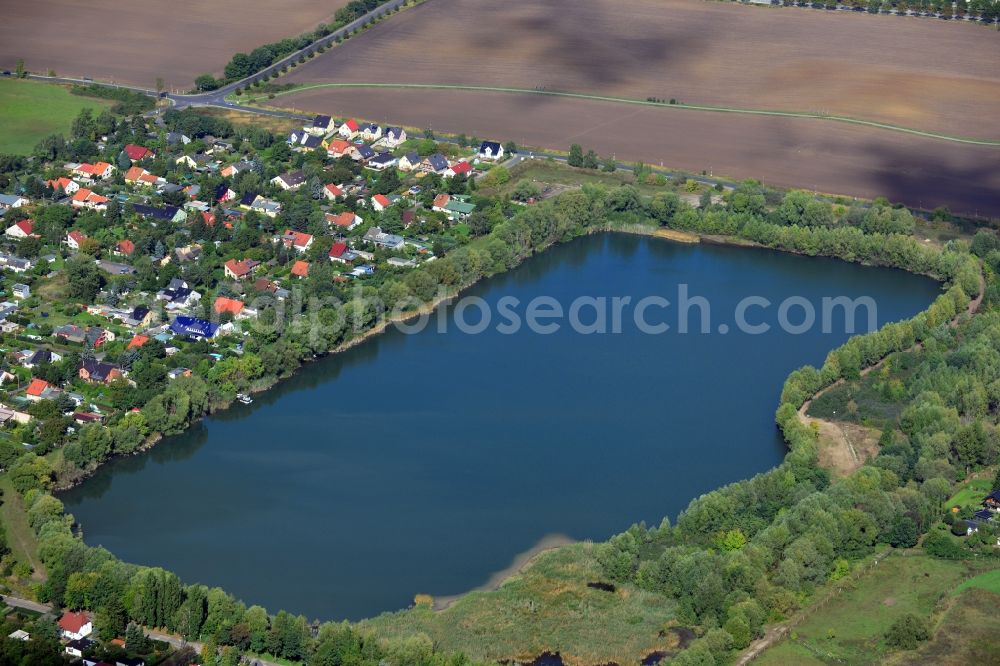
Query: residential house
{"x":400,"y":262}
{"x":65,"y":184}
{"x":440,"y":202}
{"x":188,"y":252}
{"x":340,"y":254}
{"x":992,"y":501}
{"x":125,"y":248}
{"x":458,"y":168}
{"x":380,"y":202}
{"x":320,"y":125}
{"x":370,"y":132}
{"x":40,"y":357}
{"x":231,"y":170}
{"x":265,"y":206}
{"x":136,"y":153}
{"x":300,"y":269}
{"x":346,"y":221}
{"x":378,"y":237}
{"x":164,"y":214}
{"x":20,"y":291}
{"x":138,"y":176}
{"x":436,"y":163}
{"x":84,"y":198}
{"x":137,"y":341}
{"x":291,"y":180}
{"x":394,"y":136}
{"x":295,"y":239}
{"x":230,"y":305}
{"x":178,"y":297}
{"x":224,"y":193}
{"x":94,"y":372}
{"x":490,"y":150}
{"x":12,"y":201}
{"x":14,"y":263}
{"x":75,"y":239}
{"x":382,"y":161}
{"x":409,"y":162}
{"x":240,"y":270}
{"x":97,"y":336}
{"x":349,"y":129}
{"x":98,"y":171}
{"x":19,"y":635}
{"x":459,"y":207}
{"x":193,"y":327}
{"x":337,"y":148}
{"x":140,"y":317}
{"x":70,"y":333}
{"x":332,"y":191}
{"x":39,"y":389}
{"x":198,"y":162}
{"x":74,"y":625}
{"x":178,"y":372}
{"x":76,"y":647}
{"x":21,"y":229}
{"x":174,"y":138}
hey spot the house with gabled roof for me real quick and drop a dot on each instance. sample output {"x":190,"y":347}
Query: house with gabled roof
{"x":490,"y":150}
{"x":98,"y":171}
{"x":125,"y":248}
{"x":381,"y":162}
{"x":193,"y":327}
{"x":21,"y":229}
{"x":231,"y":170}
{"x":436,"y":163}
{"x":75,"y":239}
{"x":65,"y":184}
{"x":290,"y":180}
{"x":332,"y":191}
{"x":95,"y":372}
{"x":300,"y":269}
{"x":84,"y":198}
{"x":296,"y":240}
{"x":378,"y":237}
{"x":409,"y":161}
{"x":458,"y":168}
{"x":380,"y":202}
{"x":394,"y":136}
{"x":345,"y":221}
{"x":231,"y":305}
{"x":75,"y":625}
{"x":340,"y":253}
{"x":370,"y":132}
{"x":240,"y":270}
{"x":320,"y":125}
{"x":349,"y":129}
{"x":136,"y":153}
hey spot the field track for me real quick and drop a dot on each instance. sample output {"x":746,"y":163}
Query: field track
{"x":136,"y":42}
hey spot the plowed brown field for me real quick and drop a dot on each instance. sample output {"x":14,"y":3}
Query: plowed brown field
{"x":136,"y":42}
{"x":920,"y":73}
{"x":794,"y":152}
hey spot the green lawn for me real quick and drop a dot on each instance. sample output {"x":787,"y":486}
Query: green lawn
{"x":971,"y":493}
{"x":850,"y":628}
{"x":30,"y":110}
{"x":989,"y":581}
{"x":20,"y":538}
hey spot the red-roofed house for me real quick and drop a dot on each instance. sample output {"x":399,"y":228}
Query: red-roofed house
{"x":36,"y":388}
{"x":230,"y":305}
{"x":136,"y":153}
{"x":295,"y":239}
{"x":349,"y":129}
{"x":440,"y":201}
{"x":238,"y":270}
{"x":340,"y":253}
{"x":125,"y":248}
{"x":458,"y":168}
{"x":65,"y":184}
{"x":98,"y":171}
{"x":75,"y":239}
{"x":338,"y":148}
{"x":21,"y":229}
{"x":84,"y":198}
{"x":346,"y":220}
{"x":300,"y":269}
{"x":380,"y":202}
{"x":138,"y":341}
{"x":331,"y":192}
{"x":75,"y":625}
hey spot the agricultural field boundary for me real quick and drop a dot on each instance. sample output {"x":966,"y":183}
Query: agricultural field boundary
{"x":638,"y":102}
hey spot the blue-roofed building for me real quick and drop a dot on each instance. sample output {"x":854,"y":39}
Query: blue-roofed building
{"x":193,"y":327}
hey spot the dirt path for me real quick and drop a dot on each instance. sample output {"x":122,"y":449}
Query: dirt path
{"x":844,"y":447}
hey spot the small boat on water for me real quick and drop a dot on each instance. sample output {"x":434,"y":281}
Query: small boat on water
{"x":244,"y":398}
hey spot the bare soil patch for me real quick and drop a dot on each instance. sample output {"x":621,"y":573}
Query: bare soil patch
{"x":136,"y":42}
{"x":791,"y":152}
{"x":927,"y":74}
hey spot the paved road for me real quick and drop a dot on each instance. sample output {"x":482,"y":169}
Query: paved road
{"x":27,"y":604}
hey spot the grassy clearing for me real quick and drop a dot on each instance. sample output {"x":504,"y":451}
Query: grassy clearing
{"x":559,"y":177}
{"x":989,"y":581}
{"x":33,"y":110}
{"x":273,"y":124}
{"x":967,"y":634}
{"x":850,"y":628}
{"x":971,"y":493}
{"x":20,"y":538}
{"x":547,"y":607}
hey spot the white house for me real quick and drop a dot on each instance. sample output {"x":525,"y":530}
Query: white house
{"x":371,"y":132}
{"x":394,"y":136}
{"x":320,"y":125}
{"x":74,"y":625}
{"x":349,"y":129}
{"x":20,"y":229}
{"x":332,"y":191}
{"x":291,"y":180}
{"x":12,"y":201}
{"x":490,"y":150}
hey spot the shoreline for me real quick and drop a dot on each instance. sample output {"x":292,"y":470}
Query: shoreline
{"x":518,"y":565}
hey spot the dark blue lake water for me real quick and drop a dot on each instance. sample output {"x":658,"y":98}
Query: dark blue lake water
{"x":423,"y":463}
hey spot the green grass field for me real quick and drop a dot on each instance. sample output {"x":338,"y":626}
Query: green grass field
{"x":850,"y":628}
{"x":966,"y":634}
{"x":989,"y":581}
{"x":547,"y":607}
{"x":971,"y":493}
{"x":30,"y":111}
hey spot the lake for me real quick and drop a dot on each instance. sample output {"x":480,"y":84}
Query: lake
{"x":422,"y":463}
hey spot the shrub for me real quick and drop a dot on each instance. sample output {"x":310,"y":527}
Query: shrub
{"x":906,"y":632}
